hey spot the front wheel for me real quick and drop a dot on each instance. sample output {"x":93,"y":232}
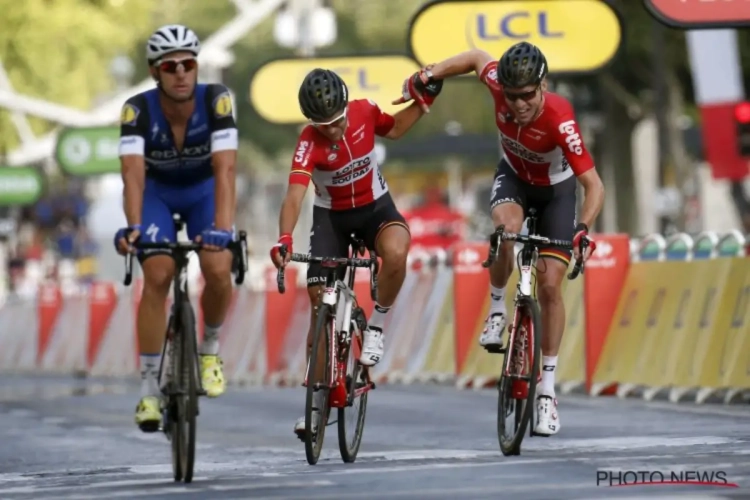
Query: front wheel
{"x":517,"y":384}
{"x":353,"y":417}
{"x":318,"y":389}
{"x":184,"y":397}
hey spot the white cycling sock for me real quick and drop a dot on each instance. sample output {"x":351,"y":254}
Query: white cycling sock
{"x":210,"y":344}
{"x":377,"y":319}
{"x":549,"y":364}
{"x":150,"y":374}
{"x":497,"y":300}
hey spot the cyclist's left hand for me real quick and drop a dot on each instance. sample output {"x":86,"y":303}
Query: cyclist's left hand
{"x":214,"y":239}
{"x":581,"y":234}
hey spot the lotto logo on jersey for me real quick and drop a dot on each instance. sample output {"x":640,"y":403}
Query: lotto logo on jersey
{"x":352,"y":171}
{"x":572,"y":138}
{"x":522,"y":152}
{"x":303,"y":153}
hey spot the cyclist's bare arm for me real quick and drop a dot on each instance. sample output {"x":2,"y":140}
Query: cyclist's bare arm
{"x":404,"y":120}
{"x":593,"y":200}
{"x":223,"y":163}
{"x":465,"y":62}
{"x":291,"y":207}
{"x":133,"y":169}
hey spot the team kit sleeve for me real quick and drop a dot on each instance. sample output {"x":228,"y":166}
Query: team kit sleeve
{"x":224,"y":136}
{"x":302,"y":161}
{"x":569,"y":139}
{"x":383,"y":121}
{"x":133,"y":127}
{"x":488,"y":76}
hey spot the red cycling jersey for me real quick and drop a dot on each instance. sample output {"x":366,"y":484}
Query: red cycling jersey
{"x":345,"y":173}
{"x":548,"y":150}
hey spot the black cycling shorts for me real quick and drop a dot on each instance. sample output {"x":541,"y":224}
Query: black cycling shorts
{"x":555,"y":206}
{"x":331,"y":231}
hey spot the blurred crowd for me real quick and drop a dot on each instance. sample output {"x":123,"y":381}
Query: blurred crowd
{"x":55,"y":240}
{"x":50,"y":241}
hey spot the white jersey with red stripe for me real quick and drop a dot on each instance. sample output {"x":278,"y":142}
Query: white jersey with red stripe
{"x":548,"y":150}
{"x":345,"y":173}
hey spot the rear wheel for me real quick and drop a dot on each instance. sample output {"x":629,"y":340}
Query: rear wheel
{"x":318,"y":389}
{"x":517,"y":389}
{"x":351,"y":419}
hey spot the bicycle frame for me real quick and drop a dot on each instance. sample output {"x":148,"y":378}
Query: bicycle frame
{"x":528,"y":258}
{"x":340,"y":296}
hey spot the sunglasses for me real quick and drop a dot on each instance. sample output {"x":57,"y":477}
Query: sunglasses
{"x":334,"y":121}
{"x":524,"y":96}
{"x":171,"y":65}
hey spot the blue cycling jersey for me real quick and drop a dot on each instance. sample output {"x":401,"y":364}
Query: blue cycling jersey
{"x":145,"y":131}
{"x":177,"y":181}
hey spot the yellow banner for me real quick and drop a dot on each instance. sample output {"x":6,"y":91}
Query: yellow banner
{"x":274,"y":87}
{"x":576,"y":36}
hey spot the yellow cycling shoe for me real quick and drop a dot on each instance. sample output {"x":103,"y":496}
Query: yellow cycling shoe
{"x":148,"y":414}
{"x":212,"y":376}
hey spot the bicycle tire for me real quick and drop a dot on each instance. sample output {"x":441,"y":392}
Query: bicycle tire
{"x":527,"y":308}
{"x":191,"y":372}
{"x":314,"y":442}
{"x":349,"y":450}
{"x":174,"y":410}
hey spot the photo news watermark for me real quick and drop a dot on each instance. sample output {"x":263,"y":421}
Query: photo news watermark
{"x":657,"y":477}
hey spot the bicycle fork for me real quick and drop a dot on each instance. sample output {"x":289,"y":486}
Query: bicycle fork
{"x":341,"y":332}
{"x":514,"y":363}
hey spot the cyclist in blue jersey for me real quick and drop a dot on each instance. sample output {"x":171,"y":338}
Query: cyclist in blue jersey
{"x":178,"y":148}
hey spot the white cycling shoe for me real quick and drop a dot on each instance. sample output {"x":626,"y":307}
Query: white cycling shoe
{"x":547,"y":418}
{"x":373,"y":346}
{"x":299,"y":425}
{"x":492,"y":335}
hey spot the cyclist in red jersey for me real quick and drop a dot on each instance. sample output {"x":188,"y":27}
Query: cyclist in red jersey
{"x":337,"y":152}
{"x":543,"y":155}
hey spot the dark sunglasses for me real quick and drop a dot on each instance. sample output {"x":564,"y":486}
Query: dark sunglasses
{"x":171,"y":65}
{"x":524,"y":96}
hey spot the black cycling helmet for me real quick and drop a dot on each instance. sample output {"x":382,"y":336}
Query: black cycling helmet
{"x":322,"y":94}
{"x":523,"y":64}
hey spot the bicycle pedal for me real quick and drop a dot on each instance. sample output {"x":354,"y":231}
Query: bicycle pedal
{"x":201,"y":392}
{"x":494,"y":349}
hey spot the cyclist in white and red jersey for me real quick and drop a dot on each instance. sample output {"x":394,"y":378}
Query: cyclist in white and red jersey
{"x":543,"y":155}
{"x":337,"y":151}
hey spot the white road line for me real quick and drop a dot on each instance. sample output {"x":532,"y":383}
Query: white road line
{"x":639,"y":404}
{"x":74,"y":491}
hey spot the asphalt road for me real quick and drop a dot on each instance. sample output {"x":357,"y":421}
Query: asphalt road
{"x":61,"y":439}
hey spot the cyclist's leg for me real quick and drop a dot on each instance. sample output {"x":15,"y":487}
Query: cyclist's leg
{"x":507,"y":209}
{"x":387,"y":232}
{"x":158,"y":271}
{"x":216,"y":268}
{"x":556,"y":220}
{"x":326,"y":240}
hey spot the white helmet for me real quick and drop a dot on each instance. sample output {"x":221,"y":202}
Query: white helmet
{"x":171,"y":38}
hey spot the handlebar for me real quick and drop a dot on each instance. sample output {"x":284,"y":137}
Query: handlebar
{"x":538,"y":241}
{"x":237,"y":247}
{"x":332,"y":262}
